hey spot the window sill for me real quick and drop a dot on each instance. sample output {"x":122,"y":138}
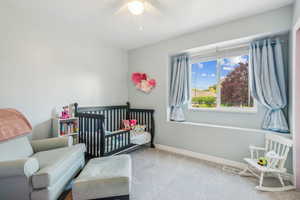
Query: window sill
{"x":260,"y":131}
{"x":224,"y":110}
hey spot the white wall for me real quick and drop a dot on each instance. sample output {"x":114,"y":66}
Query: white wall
{"x":228,"y":143}
{"x":41,"y":69}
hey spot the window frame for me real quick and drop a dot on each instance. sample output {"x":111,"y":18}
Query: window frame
{"x":218,"y":56}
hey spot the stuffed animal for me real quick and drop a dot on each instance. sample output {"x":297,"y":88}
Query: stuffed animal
{"x":271,"y":159}
{"x":262,"y":161}
{"x":139,"y":128}
{"x":65,"y":113}
{"x":132,"y":122}
{"x":126,"y":124}
{"x":129,"y":124}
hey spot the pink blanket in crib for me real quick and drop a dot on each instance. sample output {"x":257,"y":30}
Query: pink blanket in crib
{"x":13,"y":124}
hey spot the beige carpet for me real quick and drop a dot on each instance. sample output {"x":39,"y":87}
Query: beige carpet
{"x":159,"y":175}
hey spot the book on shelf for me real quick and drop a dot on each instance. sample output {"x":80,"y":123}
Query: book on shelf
{"x":68,"y":127}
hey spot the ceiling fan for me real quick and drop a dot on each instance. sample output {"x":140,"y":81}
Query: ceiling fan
{"x":135,"y":7}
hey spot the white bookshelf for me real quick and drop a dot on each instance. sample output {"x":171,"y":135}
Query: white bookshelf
{"x":65,"y":128}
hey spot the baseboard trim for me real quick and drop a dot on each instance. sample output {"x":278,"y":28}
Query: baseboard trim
{"x":201,"y":156}
{"x":214,"y":159}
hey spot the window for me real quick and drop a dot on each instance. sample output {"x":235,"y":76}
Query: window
{"x":204,"y":84}
{"x":221,"y":83}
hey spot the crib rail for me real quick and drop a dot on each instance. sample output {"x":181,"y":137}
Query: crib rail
{"x":113,"y":115}
{"x":116,"y":142}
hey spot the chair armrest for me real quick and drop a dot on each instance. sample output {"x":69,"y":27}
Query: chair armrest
{"x":51,"y":143}
{"x":22,"y":167}
{"x":257,"y":148}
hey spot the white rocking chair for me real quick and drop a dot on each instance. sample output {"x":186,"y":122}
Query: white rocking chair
{"x":275,"y":151}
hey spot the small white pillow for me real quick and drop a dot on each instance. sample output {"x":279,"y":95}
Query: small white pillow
{"x":271,"y":154}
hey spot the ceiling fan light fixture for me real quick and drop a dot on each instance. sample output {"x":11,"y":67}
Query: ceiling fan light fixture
{"x":136,"y":7}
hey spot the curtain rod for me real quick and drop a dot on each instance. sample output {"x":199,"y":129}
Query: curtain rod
{"x":273,"y":43}
{"x":232,"y":47}
{"x":216,"y":49}
{"x":281,"y":38}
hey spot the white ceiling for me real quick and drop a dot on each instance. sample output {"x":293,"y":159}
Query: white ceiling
{"x":103,"y":20}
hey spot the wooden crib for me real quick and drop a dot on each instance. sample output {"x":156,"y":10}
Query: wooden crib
{"x":100,"y":128}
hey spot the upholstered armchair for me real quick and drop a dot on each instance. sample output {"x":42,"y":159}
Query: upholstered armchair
{"x":38,"y":170}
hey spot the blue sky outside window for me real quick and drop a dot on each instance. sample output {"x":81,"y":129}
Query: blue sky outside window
{"x":204,"y":74}
{"x":230,"y":89}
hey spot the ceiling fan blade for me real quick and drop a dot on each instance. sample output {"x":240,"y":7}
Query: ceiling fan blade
{"x":114,"y":5}
{"x":152,"y":9}
{"x":121,"y":9}
{"x":157,"y":4}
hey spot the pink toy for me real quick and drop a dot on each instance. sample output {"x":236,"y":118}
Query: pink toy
{"x":65,"y":113}
{"x":126,"y":124}
{"x":133,"y":122}
{"x":129,"y":124}
{"x":142,"y":82}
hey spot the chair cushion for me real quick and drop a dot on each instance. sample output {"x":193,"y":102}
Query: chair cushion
{"x":15,"y":149}
{"x":103,"y":177}
{"x":253,"y":163}
{"x":54,"y":163}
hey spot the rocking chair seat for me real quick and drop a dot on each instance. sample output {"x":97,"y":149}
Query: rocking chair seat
{"x":253,"y":163}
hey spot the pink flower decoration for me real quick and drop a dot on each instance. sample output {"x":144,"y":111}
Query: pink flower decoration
{"x":142,"y":82}
{"x":144,"y":76}
{"x":152,"y":82}
{"x":136,"y":78}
